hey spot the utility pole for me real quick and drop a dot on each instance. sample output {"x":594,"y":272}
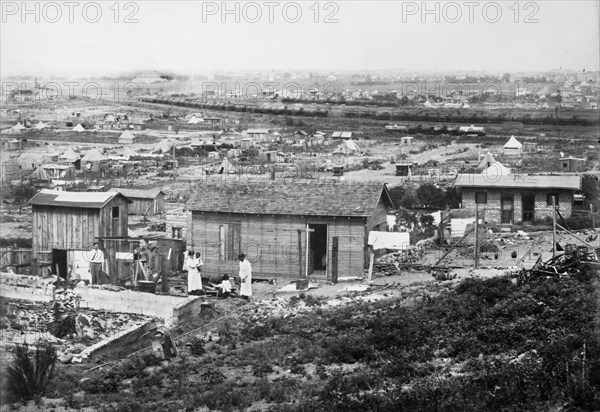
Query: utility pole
{"x":476,"y":234}
{"x":553,"y":227}
{"x":174,"y":164}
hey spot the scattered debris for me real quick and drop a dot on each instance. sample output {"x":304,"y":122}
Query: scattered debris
{"x":570,"y":263}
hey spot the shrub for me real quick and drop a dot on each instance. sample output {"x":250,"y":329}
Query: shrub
{"x":262,"y":369}
{"x":197,"y":347}
{"x":29,"y":375}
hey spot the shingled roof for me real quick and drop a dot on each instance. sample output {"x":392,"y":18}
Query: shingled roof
{"x":276,"y":198}
{"x":90,"y":200}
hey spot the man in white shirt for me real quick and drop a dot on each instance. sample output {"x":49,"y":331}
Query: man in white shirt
{"x":245,"y":277}
{"x":96,"y":260}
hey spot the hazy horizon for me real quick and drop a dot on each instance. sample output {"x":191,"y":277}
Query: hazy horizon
{"x":197,"y":37}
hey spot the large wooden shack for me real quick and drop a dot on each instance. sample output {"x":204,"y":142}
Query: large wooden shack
{"x":288,"y":230}
{"x":65,"y":223}
{"x":145,"y":201}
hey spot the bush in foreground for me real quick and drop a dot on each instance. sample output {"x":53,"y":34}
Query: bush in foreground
{"x":30,"y":373}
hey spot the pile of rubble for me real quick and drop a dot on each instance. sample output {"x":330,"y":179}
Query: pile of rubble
{"x":574,"y":261}
{"x":32,"y":322}
{"x":390,"y":264}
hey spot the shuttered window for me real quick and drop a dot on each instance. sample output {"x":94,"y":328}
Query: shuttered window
{"x":230,"y":241}
{"x":481,"y":198}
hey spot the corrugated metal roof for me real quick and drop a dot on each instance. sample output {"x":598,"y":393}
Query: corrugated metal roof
{"x":520,"y":181}
{"x":91,"y":200}
{"x":311,"y":199}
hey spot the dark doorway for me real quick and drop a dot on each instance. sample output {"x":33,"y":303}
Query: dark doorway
{"x":507,"y":209}
{"x":318,"y":247}
{"x":59,"y":262}
{"x":528,"y":201}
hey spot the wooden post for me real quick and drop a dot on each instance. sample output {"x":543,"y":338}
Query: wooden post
{"x":164,"y":284}
{"x":306,"y":263}
{"x":34,"y":267}
{"x":593,"y":217}
{"x":334,"y":259}
{"x":371,"y":261}
{"x":476,"y":234}
{"x":299,"y":253}
{"x":553,"y":227}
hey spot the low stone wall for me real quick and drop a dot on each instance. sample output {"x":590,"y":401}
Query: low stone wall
{"x":174,"y":310}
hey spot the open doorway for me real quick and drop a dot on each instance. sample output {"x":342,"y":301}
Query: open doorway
{"x":59,"y":262}
{"x":507,"y":209}
{"x":528,"y":207}
{"x":318,"y":248}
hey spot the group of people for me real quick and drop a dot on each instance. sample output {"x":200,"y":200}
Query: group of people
{"x":193,"y":265}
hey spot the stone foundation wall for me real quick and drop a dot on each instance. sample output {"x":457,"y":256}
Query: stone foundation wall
{"x":174,"y":310}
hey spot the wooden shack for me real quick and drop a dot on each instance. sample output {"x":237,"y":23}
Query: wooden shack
{"x":65,"y":223}
{"x":145,"y":201}
{"x":288,"y":230}
{"x":572,"y":164}
{"x":404,"y":169}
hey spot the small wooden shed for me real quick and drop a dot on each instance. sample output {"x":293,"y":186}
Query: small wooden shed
{"x":65,"y":222}
{"x":145,"y":201}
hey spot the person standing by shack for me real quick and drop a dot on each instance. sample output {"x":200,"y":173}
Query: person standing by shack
{"x":194,"y":282}
{"x":96,"y":261}
{"x":245,"y":277}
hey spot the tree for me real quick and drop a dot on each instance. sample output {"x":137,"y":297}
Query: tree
{"x":23,"y":193}
{"x":429,"y":195}
{"x":452,"y":197}
{"x":506,"y":77}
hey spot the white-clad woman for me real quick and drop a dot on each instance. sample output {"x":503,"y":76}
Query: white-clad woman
{"x":194,"y":283}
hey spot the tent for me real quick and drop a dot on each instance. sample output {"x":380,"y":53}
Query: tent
{"x":69,"y":155}
{"x":93,"y":156}
{"x":487,"y":161}
{"x":195,"y":120}
{"x":513,"y":147}
{"x":40,"y":125}
{"x":164,"y":146}
{"x":78,"y":128}
{"x":18,"y":127}
{"x":496,"y":169}
{"x":128,"y":152}
{"x":127,"y":137}
{"x":427,"y":104}
{"x":226,"y":167}
{"x":54,"y":171}
{"x":347,"y":147}
{"x":30,"y":160}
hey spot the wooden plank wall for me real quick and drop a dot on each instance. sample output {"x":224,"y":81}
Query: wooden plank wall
{"x":64,"y":228}
{"x":142,"y":206}
{"x":271,"y":243}
{"x":11,"y":256}
{"x":75,"y":228}
{"x":117,"y":227}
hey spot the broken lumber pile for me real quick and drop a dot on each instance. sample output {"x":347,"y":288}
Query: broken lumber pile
{"x":571,"y":263}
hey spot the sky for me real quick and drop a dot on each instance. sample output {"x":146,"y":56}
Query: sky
{"x":108,"y":37}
